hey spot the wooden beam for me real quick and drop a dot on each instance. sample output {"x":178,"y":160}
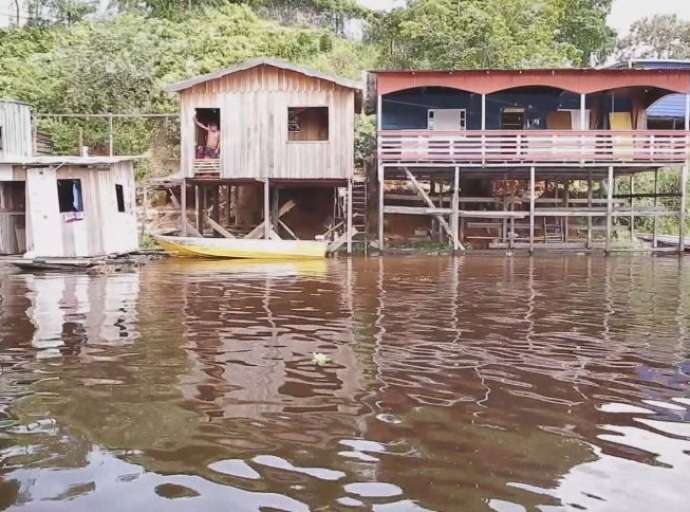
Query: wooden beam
{"x":267,"y":210}
{"x":683,"y":208}
{"x":609,"y":208}
{"x":349,"y":216}
{"x":589,"y":205}
{"x":287,"y":228}
{"x":456,"y":209}
{"x":416,"y":210}
{"x":218,"y":228}
{"x":199,"y":209}
{"x":183,"y":207}
{"x":532,"y":202}
{"x":632,"y":209}
{"x":430,"y":203}
{"x":381,"y":179}
{"x":656,"y":201}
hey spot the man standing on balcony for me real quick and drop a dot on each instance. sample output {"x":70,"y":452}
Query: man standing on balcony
{"x":212,"y":148}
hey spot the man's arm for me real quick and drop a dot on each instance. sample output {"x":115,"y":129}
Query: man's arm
{"x":200,"y":125}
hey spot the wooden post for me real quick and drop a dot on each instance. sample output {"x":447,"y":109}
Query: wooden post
{"x":381,"y":169}
{"x":456,"y":208}
{"x":228,"y":203}
{"x":609,"y":208}
{"x":381,"y":175}
{"x":532,"y":202}
{"x":145,"y":208}
{"x":483,"y":127}
{"x":349,"y":216}
{"x":183,"y":207}
{"x":511,"y":236}
{"x":589,"y":207}
{"x":215,"y":212}
{"x":683,"y":208}
{"x":566,"y":220}
{"x":632,"y":203}
{"x":110,"y":134}
{"x":267,"y":210}
{"x":655,"y":242}
{"x":199,"y":210}
{"x":583,"y":111}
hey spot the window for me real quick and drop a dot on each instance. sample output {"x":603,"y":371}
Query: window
{"x":447,"y":119}
{"x":120,"y":196}
{"x":308,"y":123}
{"x":69,"y":196}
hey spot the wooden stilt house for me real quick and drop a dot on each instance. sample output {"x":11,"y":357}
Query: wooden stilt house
{"x":283,"y":166}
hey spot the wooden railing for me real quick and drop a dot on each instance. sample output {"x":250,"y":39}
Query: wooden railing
{"x":206,"y":166}
{"x":538,"y":146}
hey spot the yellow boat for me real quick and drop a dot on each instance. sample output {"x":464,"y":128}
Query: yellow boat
{"x":194,"y":247}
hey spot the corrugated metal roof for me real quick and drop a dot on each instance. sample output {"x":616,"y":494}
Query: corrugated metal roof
{"x":71,"y":160}
{"x":276,"y":63}
{"x":671,"y":106}
{"x":10,"y":100}
{"x":652,"y":64}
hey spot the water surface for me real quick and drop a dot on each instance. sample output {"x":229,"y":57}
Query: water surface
{"x":477,"y":383}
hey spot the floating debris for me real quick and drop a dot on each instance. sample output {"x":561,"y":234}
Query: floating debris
{"x":320,"y":359}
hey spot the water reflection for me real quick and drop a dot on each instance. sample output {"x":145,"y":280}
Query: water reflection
{"x":453,"y":384}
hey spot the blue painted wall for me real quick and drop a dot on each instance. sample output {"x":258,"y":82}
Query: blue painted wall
{"x":408,"y":109}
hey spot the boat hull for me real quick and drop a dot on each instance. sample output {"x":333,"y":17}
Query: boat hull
{"x":193,"y":247}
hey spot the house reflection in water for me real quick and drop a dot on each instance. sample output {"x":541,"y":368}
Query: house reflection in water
{"x":70,"y":312}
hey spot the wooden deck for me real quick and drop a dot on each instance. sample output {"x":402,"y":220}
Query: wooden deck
{"x":490,"y":147}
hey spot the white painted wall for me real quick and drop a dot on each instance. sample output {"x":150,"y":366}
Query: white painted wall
{"x":100,"y":229}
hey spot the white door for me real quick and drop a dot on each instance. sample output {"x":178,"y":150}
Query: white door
{"x":44,"y":226}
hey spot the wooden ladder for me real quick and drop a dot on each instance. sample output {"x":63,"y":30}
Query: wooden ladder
{"x":360,"y":218}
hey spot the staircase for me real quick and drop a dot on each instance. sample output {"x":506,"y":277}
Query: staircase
{"x":360,"y":217}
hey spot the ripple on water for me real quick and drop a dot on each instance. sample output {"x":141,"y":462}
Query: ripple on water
{"x":235,"y":467}
{"x":278,"y":463}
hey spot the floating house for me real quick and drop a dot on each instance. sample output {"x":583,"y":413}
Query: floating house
{"x":530,"y":158}
{"x":268,"y":150}
{"x":61,"y":206}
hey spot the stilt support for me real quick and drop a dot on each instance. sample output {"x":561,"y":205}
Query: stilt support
{"x":532,"y":202}
{"x":609,"y":208}
{"x":267,"y":210}
{"x":183,"y":207}
{"x":682,"y":221}
{"x":382,"y":177}
{"x":349,"y":216}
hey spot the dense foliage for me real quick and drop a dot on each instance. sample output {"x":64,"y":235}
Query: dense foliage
{"x":494,"y":33}
{"x":658,"y":37}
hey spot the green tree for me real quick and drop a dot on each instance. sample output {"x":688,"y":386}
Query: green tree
{"x":121,"y":65}
{"x":583,"y":24}
{"x":658,"y":37}
{"x":492,"y":33}
{"x":66,"y":12}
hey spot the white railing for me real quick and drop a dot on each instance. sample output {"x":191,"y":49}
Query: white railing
{"x":539,"y":146}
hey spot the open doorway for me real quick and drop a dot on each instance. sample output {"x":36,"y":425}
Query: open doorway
{"x":12,"y":217}
{"x":207,"y":121}
{"x":513,"y":118}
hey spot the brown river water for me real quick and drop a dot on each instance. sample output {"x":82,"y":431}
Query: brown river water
{"x":452,"y":384}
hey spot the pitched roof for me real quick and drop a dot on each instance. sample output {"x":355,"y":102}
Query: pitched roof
{"x":263,"y":61}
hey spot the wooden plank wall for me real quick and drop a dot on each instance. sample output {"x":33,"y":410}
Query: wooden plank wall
{"x":15,"y":122}
{"x":101,"y":230}
{"x":254,"y":116}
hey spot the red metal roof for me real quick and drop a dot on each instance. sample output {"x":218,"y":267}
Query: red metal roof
{"x":581,"y":81}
